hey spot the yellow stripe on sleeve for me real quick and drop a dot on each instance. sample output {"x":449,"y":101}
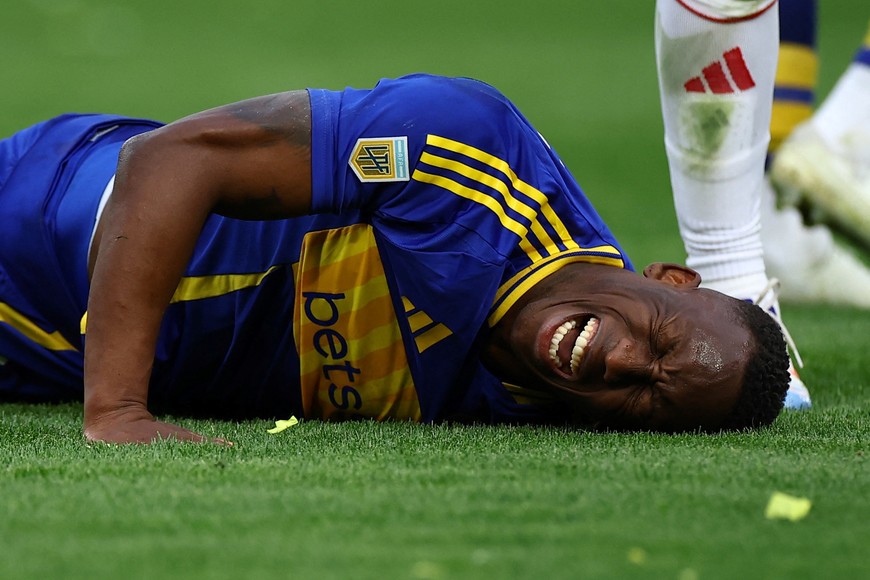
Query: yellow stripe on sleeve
{"x":198,"y":287}
{"x":18,"y":321}
{"x":498,"y":185}
{"x":507,"y":222}
{"x":522,"y":281}
{"x":502,"y":166}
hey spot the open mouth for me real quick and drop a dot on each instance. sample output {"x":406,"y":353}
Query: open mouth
{"x":569,"y":341}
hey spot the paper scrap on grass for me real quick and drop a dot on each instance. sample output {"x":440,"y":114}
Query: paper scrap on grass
{"x":787,"y":507}
{"x":283,"y":424}
{"x":636,"y":556}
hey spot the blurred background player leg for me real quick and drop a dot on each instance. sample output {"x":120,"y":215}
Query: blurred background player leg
{"x":826,"y":161}
{"x":716,"y":63}
{"x":808,"y":262}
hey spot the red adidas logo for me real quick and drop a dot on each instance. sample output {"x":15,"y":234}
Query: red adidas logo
{"x":726,"y":75}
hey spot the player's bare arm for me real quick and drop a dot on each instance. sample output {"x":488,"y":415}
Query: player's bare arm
{"x":247,"y":160}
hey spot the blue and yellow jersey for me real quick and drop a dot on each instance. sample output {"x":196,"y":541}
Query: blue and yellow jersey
{"x":52,"y":176}
{"x":436,"y":206}
{"x":462,"y":207}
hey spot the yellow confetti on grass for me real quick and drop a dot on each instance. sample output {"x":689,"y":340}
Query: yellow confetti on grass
{"x":283,"y":424}
{"x":425,"y":570}
{"x":787,"y":507}
{"x":636,"y":556}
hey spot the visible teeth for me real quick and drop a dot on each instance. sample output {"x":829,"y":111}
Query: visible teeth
{"x":581,"y":342}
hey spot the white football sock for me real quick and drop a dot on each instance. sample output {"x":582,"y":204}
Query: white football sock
{"x":716,"y":82}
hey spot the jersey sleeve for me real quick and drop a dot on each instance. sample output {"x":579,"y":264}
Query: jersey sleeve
{"x":451,"y":165}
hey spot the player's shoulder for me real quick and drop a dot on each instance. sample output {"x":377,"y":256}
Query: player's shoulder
{"x":465,"y":110}
{"x":452,"y":93}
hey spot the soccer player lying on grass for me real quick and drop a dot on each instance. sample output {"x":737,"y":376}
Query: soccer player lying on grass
{"x":414,"y":251}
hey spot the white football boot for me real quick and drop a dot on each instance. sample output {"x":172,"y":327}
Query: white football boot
{"x":831,"y":177}
{"x":798,"y":396}
{"x":812,"y":267}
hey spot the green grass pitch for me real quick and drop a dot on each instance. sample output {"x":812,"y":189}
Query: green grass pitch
{"x":407,"y":501}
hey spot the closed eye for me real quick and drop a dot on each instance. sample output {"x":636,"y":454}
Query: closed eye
{"x":662,"y":340}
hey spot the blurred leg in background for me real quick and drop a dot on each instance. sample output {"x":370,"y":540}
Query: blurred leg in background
{"x":812,"y":267}
{"x":823,"y":165}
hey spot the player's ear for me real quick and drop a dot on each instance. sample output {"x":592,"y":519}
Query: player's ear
{"x":672,"y":274}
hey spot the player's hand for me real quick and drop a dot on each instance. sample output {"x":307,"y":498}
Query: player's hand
{"x":139,"y":426}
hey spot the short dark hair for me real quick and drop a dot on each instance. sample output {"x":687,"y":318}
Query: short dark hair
{"x":766,"y":378}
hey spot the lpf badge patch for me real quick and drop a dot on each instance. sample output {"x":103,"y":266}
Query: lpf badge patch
{"x":381,"y":159}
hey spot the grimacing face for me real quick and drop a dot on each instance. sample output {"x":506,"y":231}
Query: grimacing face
{"x":629,"y":352}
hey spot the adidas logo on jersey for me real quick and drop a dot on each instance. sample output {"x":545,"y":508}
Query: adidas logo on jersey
{"x":728,"y":74}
